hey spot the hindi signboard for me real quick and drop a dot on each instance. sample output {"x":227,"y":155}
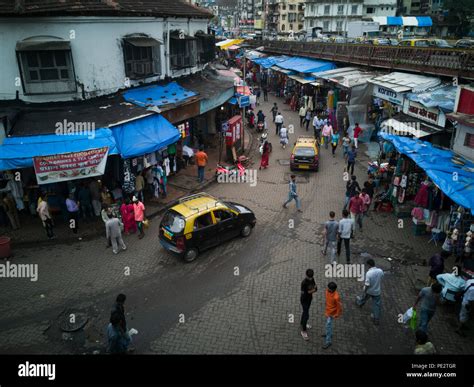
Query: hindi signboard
{"x":70,"y":166}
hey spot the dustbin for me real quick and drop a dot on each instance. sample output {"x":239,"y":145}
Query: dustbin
{"x":5,"y":249}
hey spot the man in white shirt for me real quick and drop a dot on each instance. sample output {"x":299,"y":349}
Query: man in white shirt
{"x":372,"y":289}
{"x":278,"y":123}
{"x":345,"y":231}
{"x":316,"y":127}
{"x":466,"y":306}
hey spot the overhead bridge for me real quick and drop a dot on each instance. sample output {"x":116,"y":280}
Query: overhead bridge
{"x":448,"y":62}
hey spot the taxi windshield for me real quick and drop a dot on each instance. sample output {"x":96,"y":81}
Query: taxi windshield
{"x":304,"y":151}
{"x":173,"y":221}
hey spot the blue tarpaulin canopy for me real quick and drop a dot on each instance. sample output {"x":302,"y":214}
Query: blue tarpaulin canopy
{"x":157,"y":95}
{"x":270,"y":61}
{"x":18,"y":152}
{"x":424,"y":21}
{"x":443,"y":98}
{"x":306,"y":65}
{"x":146,"y":135}
{"x":394,"y":21}
{"x":451,"y":173}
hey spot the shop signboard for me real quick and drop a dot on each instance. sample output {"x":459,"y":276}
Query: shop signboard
{"x":244,"y":101}
{"x":70,"y":166}
{"x":233,"y":133}
{"x":430,"y":115}
{"x":388,"y":95}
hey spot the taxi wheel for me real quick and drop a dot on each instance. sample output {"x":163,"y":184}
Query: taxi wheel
{"x":246,"y":230}
{"x":190,"y":255}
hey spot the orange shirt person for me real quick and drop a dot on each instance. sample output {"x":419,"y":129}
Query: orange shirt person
{"x":201,"y":162}
{"x":333,"y":310}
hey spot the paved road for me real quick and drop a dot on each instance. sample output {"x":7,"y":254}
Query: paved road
{"x":204,"y":307}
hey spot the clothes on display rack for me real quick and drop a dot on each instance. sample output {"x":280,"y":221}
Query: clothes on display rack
{"x":421,"y":198}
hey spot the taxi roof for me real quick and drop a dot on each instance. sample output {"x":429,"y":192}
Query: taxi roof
{"x":194,"y":204}
{"x":305,"y":140}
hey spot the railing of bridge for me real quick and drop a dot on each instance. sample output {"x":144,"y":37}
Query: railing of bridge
{"x":432,"y":61}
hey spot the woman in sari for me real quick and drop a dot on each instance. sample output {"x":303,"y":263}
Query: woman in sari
{"x":128,"y":217}
{"x":265,"y":155}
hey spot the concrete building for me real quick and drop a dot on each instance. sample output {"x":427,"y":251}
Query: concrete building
{"x":463,"y":115}
{"x":291,"y":16}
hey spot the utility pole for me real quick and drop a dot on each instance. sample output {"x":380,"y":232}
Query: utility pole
{"x":243,"y":107}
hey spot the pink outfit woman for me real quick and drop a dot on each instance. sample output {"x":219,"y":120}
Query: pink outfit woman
{"x":128,"y":218}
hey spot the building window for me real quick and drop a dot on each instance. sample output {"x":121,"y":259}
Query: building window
{"x":327,"y":9}
{"x":183,"y":50}
{"x":292,"y":17}
{"x":206,"y":47}
{"x":354,"y":10}
{"x":311,"y":23}
{"x":326,"y":26}
{"x":469,"y":140}
{"x":142,"y":57}
{"x":340,"y":9}
{"x":339,"y":25}
{"x":292,"y":7}
{"x":283,"y":27}
{"x":291,"y":26}
{"x":300,"y":27}
{"x":283,"y":17}
{"x":46,"y":71}
{"x":370,"y":10}
{"x":312,"y":9}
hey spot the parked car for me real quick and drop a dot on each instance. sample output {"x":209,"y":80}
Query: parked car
{"x":440,"y":43}
{"x":464,"y":43}
{"x":415,"y":43}
{"x":305,"y":154}
{"x":199,"y":222}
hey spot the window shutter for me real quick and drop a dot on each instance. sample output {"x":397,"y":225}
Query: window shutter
{"x":156,"y":52}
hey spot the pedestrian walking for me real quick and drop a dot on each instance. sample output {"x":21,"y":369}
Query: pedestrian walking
{"x":119,"y":309}
{"x":113,"y":231}
{"x":369,"y":186}
{"x":334,"y":142}
{"x":274,"y":110}
{"x":372,"y":289}
{"x":423,"y":346}
{"x":327,"y":128}
{"x":118,"y":339}
{"x":94,"y":189}
{"x":302,"y":114}
{"x":317,"y":128}
{"x":265,"y":155}
{"x":352,"y":189}
{"x":265,"y":93}
{"x":466,"y":307}
{"x":357,"y":132}
{"x":140,"y":187}
{"x":346,"y":143}
{"x":84,"y":197}
{"x":10,"y":209}
{"x":257,"y":95}
{"x":351,"y":159}
{"x":355,"y":208}
{"x":201,"y":161}
{"x":333,"y":311}
{"x":73,"y":213}
{"x":436,"y":264}
{"x":128,"y":217}
{"x":46,"y":219}
{"x":308,"y":288}
{"x":292,"y":195}
{"x":429,"y":297}
{"x":365,"y":203}
{"x":139,"y":211}
{"x":278,"y":123}
{"x":345,"y":232}
{"x":307,"y":118}
{"x":284,"y":139}
{"x":331,"y":228}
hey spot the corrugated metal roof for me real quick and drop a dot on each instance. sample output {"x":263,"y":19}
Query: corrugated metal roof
{"x":401,"y":82}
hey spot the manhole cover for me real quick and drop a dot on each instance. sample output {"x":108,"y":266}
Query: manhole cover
{"x":284,"y":162}
{"x":72,"y":321}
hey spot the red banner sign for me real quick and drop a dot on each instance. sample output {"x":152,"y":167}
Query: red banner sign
{"x":70,"y":166}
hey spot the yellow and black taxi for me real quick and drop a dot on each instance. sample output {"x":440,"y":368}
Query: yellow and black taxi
{"x":305,"y":154}
{"x":198,"y":222}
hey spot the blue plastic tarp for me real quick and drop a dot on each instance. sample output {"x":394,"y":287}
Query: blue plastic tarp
{"x":456,"y":181}
{"x":306,"y":65}
{"x":424,"y":21}
{"x":18,"y":152}
{"x":139,"y":137}
{"x":156,"y":95}
{"x":443,"y":98}
{"x":270,"y":61}
{"x":394,"y":21}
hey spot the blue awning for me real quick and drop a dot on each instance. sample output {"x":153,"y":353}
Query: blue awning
{"x":146,"y":135}
{"x":269,"y":61}
{"x":451,"y":173}
{"x":306,"y":65}
{"x":18,"y":152}
{"x":157,"y":95}
{"x":394,"y":21}
{"x":233,"y":101}
{"x":443,"y":98}
{"x":424,"y":21}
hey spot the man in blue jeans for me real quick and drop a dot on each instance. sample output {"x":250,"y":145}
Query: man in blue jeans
{"x":429,"y":298}
{"x":292,"y":195}
{"x":372,"y":289}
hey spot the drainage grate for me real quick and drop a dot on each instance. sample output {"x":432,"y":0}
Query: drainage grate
{"x":284,"y":162}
